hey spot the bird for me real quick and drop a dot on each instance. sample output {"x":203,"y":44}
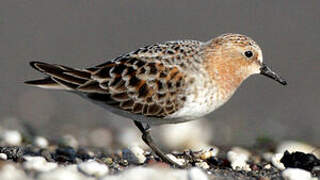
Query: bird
{"x":163,"y":83}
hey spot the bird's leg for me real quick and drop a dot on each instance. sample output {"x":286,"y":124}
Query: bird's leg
{"x":147,"y":138}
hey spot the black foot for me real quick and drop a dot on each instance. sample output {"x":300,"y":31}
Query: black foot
{"x":147,"y":138}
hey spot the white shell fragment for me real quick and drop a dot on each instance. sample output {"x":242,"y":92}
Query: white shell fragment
{"x":93,"y":168}
{"x":134,"y":155}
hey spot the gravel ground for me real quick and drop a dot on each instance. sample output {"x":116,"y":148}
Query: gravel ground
{"x":38,"y":158}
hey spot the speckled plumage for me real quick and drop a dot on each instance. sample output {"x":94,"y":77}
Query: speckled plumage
{"x":162,"y":83}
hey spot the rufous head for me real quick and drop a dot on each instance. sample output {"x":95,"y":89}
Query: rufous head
{"x":231,"y":58}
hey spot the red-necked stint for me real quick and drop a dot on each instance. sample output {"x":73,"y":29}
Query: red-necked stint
{"x":170,"y":82}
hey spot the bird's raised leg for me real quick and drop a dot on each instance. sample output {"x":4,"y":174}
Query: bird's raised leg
{"x":147,"y":138}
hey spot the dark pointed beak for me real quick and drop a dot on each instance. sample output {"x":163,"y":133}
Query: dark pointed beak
{"x":266,"y":71}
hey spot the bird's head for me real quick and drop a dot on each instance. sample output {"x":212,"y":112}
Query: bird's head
{"x":234,"y":57}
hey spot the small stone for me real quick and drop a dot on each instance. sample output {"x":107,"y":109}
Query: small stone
{"x":196,"y":174}
{"x":70,"y":141}
{"x":134,"y":155}
{"x":238,"y":158}
{"x":203,"y":165}
{"x":300,"y":160}
{"x":40,"y":142}
{"x":3,"y":156}
{"x":93,"y":168}
{"x":316,"y":171}
{"x":177,"y":160}
{"x":254,"y":167}
{"x":47,"y":155}
{"x":296,"y":174}
{"x":108,"y":160}
{"x":65,"y":154}
{"x":12,"y":138}
{"x":212,"y":152}
{"x":275,"y":160}
{"x":267,"y":166}
{"x":38,"y":163}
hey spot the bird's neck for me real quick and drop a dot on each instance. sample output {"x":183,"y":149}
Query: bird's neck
{"x":226,"y":75}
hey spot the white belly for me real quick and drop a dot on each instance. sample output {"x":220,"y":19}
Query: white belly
{"x":202,"y":99}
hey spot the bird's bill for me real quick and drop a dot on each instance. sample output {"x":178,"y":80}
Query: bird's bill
{"x":266,"y":71}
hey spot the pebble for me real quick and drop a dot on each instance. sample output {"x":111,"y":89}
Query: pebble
{"x":212,"y":152}
{"x":46,"y":154}
{"x":296,"y":174}
{"x":267,"y":166}
{"x":65,"y":154}
{"x":10,"y":172}
{"x":293,"y":146}
{"x":177,"y":160}
{"x":93,"y":168}
{"x":38,"y":163}
{"x":69,"y":140}
{"x":41,"y":142}
{"x":238,"y":158}
{"x":11,"y":137}
{"x":275,"y":160}
{"x":3,"y":156}
{"x":63,"y":173}
{"x":300,"y":160}
{"x":203,"y":165}
{"x":134,"y":155}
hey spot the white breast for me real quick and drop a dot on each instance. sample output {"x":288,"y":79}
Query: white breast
{"x":201,"y":100}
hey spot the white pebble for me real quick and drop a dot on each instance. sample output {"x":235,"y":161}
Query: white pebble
{"x":177,"y":160}
{"x":196,"y":174}
{"x":275,"y":160}
{"x":41,"y":142}
{"x":3,"y":156}
{"x":238,"y":158}
{"x":38,"y":163}
{"x":296,"y":174}
{"x":209,"y":153}
{"x":93,"y":168}
{"x":62,"y":173}
{"x":293,"y":146}
{"x":134,"y":155}
{"x":267,"y":166}
{"x":11,"y":137}
{"x":10,"y":172}
{"x":202,"y":165}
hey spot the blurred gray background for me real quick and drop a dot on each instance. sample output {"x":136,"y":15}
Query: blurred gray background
{"x":83,"y":33}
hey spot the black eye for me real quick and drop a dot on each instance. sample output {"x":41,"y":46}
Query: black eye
{"x":248,"y":54}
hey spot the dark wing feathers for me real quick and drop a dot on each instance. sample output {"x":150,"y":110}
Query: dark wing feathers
{"x":137,"y":83}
